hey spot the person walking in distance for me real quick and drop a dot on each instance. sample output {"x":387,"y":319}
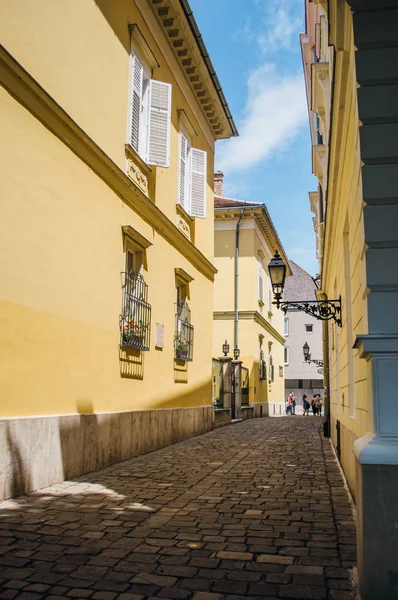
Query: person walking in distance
{"x":319,"y":404}
{"x":289,"y":405}
{"x":306,"y":406}
{"x":313,"y":405}
{"x":293,"y":403}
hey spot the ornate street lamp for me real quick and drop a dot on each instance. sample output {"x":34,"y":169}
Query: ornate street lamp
{"x":277,"y":273}
{"x":225,"y":348}
{"x":323,"y":310}
{"x":236,"y":353}
{"x":307,"y":356}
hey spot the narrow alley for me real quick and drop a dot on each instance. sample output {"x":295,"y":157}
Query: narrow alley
{"x":252,"y":510}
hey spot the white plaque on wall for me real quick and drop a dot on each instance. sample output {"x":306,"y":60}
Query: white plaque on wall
{"x":159,"y":342}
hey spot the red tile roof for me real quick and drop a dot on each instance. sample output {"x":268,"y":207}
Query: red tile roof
{"x":221,"y":202}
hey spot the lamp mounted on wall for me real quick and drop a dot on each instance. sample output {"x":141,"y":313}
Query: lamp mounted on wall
{"x":307,"y":356}
{"x":225,"y":348}
{"x":323,"y":310}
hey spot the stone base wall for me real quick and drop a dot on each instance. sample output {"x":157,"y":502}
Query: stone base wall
{"x":222,"y":416}
{"x":36,"y":452}
{"x":276,"y":409}
{"x":347,"y":456}
{"x":247,"y":412}
{"x":269,"y":409}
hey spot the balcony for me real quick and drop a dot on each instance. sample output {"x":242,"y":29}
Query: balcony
{"x":135,"y":319}
{"x":183,"y":339}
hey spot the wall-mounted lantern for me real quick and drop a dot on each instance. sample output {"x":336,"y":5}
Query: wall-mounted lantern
{"x":307,"y":356}
{"x":323,"y":310}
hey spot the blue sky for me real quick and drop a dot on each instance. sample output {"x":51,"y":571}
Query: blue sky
{"x":254,"y":46}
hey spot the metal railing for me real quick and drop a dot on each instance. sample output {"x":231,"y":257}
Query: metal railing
{"x":135,"y":319}
{"x":183,"y":339}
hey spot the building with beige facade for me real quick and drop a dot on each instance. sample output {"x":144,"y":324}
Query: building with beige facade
{"x":245,"y":239}
{"x":300,"y":328}
{"x":109,"y":116}
{"x":351,"y":70}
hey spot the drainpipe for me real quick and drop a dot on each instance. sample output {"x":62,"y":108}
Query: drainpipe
{"x":326,"y":379}
{"x":237,"y":278}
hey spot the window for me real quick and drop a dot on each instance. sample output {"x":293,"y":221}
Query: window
{"x":300,"y":384}
{"x":269,"y":297}
{"x":150,"y":115}
{"x":263,"y":369}
{"x":286,"y":355}
{"x":183,"y":338}
{"x":309,"y":328}
{"x":260,"y":280}
{"x":271,"y":371}
{"x":286,"y":327}
{"x":192,"y":178}
{"x":135,"y":317}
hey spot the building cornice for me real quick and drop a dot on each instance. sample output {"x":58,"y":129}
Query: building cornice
{"x":21,"y":85}
{"x":249,"y":315}
{"x":179,"y":28}
{"x":263,"y":220}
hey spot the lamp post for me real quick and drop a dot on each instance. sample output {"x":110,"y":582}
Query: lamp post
{"x":225,"y":348}
{"x":307,"y":356}
{"x":323,"y":310}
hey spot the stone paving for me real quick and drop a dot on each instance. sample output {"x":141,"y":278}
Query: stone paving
{"x":252,"y":510}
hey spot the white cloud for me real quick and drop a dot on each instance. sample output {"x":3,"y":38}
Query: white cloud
{"x":274,"y":114}
{"x":282,"y":25}
{"x":275,"y":27}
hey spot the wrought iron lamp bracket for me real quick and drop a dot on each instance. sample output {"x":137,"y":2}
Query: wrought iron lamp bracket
{"x":317,"y":362}
{"x":323,"y":310}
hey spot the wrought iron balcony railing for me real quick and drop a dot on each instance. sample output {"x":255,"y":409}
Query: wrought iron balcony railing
{"x":183,"y":339}
{"x":135,"y":319}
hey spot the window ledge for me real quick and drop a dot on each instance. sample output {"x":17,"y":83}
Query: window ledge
{"x":183,"y":212}
{"x":137,"y":169}
{"x":184,"y":222}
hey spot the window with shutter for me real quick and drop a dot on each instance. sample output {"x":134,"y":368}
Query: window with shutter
{"x":184,"y":192}
{"x":159,"y":124}
{"x":150,"y":116}
{"x":260,"y":281}
{"x":135,"y":102}
{"x":198,"y":183}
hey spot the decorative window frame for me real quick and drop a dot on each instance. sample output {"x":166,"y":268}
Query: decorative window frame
{"x":135,"y":316}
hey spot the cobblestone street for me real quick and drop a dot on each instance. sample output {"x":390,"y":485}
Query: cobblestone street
{"x":252,"y":510}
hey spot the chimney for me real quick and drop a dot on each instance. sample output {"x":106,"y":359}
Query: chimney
{"x":218,"y":183}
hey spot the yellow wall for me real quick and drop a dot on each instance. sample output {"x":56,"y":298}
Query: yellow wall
{"x":343,"y":269}
{"x":249,"y":330}
{"x":60,"y":230}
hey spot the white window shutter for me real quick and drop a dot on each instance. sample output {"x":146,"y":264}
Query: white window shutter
{"x":260,"y":281}
{"x":183,"y":172}
{"x":159,"y":124}
{"x":198,"y":183}
{"x":135,"y":102}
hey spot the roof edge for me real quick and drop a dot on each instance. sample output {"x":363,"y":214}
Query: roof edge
{"x":209,"y":65}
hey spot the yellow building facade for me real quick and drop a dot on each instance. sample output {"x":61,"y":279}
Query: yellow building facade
{"x":350,"y":70}
{"x":243,"y":311}
{"x":109,"y":117}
